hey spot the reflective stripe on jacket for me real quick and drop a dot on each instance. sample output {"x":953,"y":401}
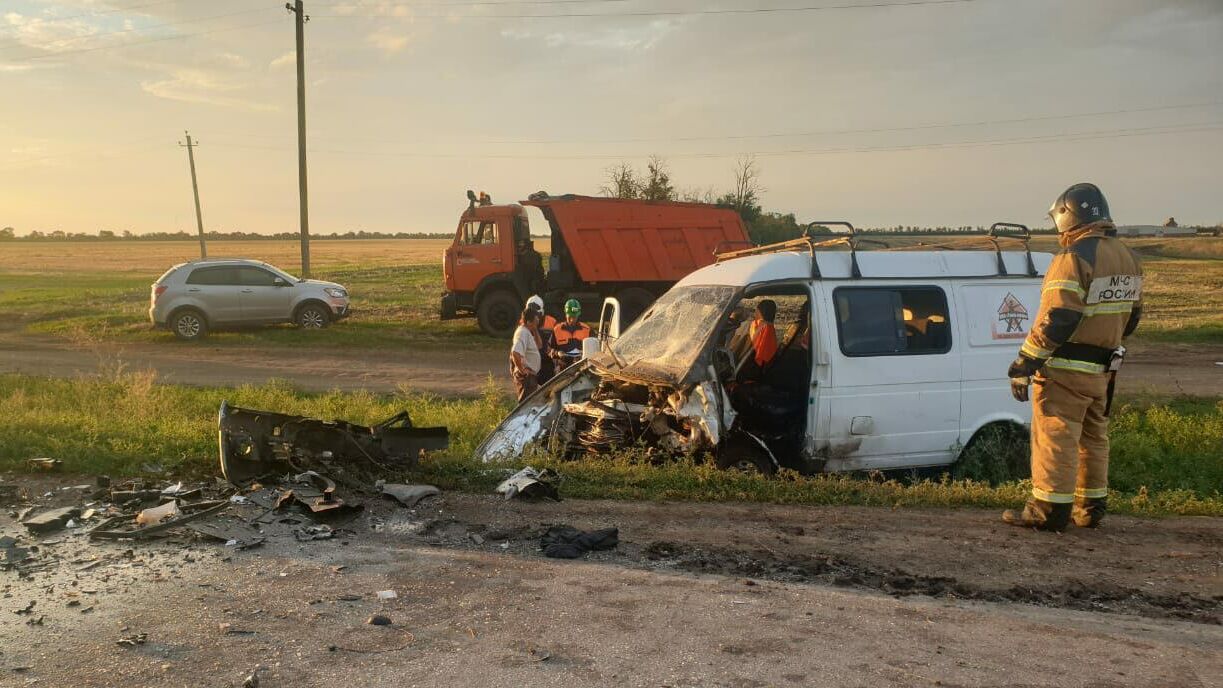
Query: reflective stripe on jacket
{"x":568,"y":338}
{"x":1092,"y":295}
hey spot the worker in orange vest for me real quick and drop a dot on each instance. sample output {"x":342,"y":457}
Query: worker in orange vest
{"x":567,"y":337}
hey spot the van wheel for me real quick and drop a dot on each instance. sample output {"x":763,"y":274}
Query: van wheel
{"x":743,"y":454}
{"x":312,"y":316}
{"x":633,"y":302}
{"x":189,"y":325}
{"x":998,"y":453}
{"x":498,"y":314}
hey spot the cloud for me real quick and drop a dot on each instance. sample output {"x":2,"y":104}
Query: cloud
{"x":628,"y":38}
{"x":195,"y":85}
{"x":286,"y":60}
{"x":388,"y":41}
{"x":45,"y":35}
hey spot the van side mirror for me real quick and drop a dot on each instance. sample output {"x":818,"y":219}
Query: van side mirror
{"x":609,"y":320}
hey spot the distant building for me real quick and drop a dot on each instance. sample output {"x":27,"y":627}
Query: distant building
{"x":1170,"y":222}
{"x":1155,"y":230}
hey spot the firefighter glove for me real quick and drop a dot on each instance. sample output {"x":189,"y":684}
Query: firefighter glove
{"x":1019,"y":388}
{"x":1024,"y":367}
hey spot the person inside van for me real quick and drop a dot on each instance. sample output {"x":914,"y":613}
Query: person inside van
{"x":763,"y":333}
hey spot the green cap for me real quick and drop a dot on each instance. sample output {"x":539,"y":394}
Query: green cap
{"x":572,"y":307}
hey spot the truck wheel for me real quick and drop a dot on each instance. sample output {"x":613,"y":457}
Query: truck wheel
{"x":189,"y":325}
{"x":633,"y":302}
{"x":498,"y":314}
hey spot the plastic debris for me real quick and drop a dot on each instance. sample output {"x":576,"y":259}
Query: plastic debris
{"x":387,"y":595}
{"x":151,"y":517}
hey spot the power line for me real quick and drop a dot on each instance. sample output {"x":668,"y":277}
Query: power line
{"x":73,"y":39}
{"x":129,"y":44}
{"x":820,"y":132}
{"x":669,"y":13}
{"x":875,"y":130}
{"x":1064,"y":136}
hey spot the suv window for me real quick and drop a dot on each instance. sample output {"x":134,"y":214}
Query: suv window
{"x":255,"y":277}
{"x":223,"y":274}
{"x":884,"y":321}
{"x":477,"y":232}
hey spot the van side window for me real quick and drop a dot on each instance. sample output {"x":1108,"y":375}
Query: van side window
{"x":887,"y":321}
{"x":213,"y":276}
{"x":477,"y":232}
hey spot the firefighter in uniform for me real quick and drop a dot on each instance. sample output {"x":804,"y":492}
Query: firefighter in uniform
{"x":1090,"y":300}
{"x":567,"y":336}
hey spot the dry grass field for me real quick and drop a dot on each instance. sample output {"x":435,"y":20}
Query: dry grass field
{"x":153,"y":257}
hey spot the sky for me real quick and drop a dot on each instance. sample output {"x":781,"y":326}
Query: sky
{"x":931,"y":112}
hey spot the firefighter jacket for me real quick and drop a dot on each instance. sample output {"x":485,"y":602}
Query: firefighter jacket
{"x":1091,"y":299}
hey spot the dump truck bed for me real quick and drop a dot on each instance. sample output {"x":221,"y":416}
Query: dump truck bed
{"x":623,"y":240}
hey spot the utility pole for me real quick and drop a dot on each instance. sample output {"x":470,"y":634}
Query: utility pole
{"x":300,"y":20}
{"x":195,"y":189}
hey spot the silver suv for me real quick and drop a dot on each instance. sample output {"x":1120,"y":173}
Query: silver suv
{"x":192,"y":298}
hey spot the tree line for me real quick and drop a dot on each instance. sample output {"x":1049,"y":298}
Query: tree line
{"x":654,"y":184}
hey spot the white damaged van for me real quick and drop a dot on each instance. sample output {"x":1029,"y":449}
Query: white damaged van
{"x":885,"y":359}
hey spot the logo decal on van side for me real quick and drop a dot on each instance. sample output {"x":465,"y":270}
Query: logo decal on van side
{"x":1012,"y":313}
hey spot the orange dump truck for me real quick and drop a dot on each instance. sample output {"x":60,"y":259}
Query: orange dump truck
{"x":633,"y":250}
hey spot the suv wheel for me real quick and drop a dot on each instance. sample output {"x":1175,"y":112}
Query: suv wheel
{"x":189,"y":325}
{"x":312,"y":316}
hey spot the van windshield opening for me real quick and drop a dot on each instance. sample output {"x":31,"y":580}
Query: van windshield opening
{"x":669,"y":336}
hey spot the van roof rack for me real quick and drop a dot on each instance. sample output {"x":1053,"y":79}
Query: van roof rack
{"x":998,"y":233}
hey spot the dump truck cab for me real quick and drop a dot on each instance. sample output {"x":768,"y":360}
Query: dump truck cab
{"x":885,"y":359}
{"x":491,"y":267}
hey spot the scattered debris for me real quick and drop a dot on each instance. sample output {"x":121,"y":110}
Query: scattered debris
{"x":228,"y":629}
{"x":315,"y":532}
{"x":387,"y":595}
{"x":252,"y":679}
{"x":567,"y":542}
{"x":28,"y":609}
{"x":191,"y":512}
{"x":408,"y":495}
{"x":231,"y":530}
{"x":44,"y":464}
{"x":257,"y":444}
{"x":52,"y":520}
{"x":531,"y":484}
{"x":156,"y":515}
{"x":132,"y":640}
{"x":379,"y":620}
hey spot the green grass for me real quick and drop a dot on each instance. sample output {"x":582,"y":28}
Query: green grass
{"x":397,"y":307}
{"x":1168,"y":454}
{"x":393,"y":307}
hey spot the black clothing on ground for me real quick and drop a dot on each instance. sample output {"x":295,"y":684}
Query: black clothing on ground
{"x":567,"y":542}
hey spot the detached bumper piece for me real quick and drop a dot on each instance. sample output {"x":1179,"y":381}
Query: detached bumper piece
{"x":257,"y":444}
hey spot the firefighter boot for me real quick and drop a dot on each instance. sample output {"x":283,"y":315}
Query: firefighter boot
{"x":1089,"y":512}
{"x":1040,"y":515}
